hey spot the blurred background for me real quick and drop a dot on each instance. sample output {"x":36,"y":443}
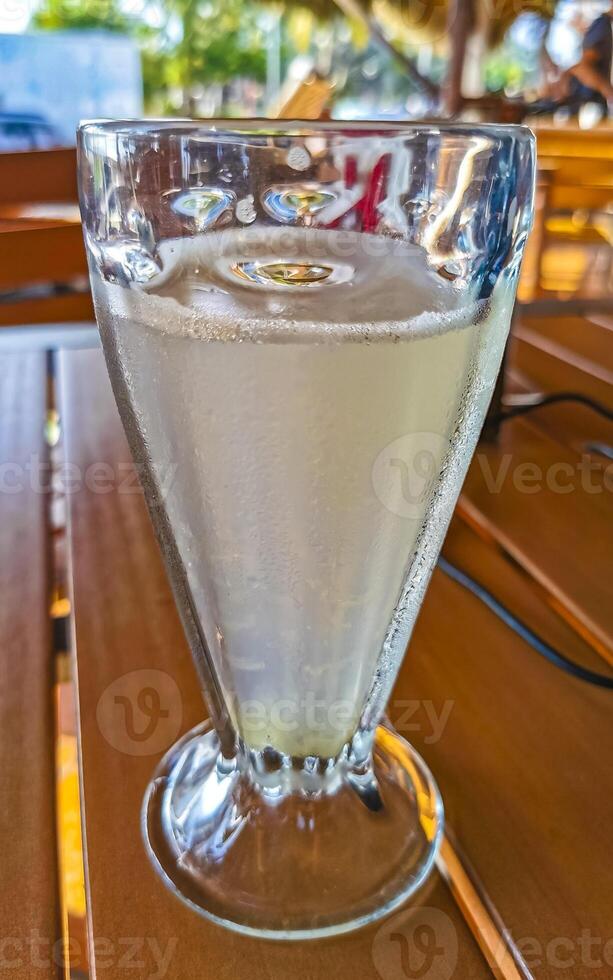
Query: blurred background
{"x":544,"y":62}
{"x":62,"y":60}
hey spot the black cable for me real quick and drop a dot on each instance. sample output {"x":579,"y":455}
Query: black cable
{"x":554,"y":399}
{"x":510,"y":620}
{"x":507,"y":617}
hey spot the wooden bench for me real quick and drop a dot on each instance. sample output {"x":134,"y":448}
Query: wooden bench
{"x":43,"y":268}
{"x":574,"y":179}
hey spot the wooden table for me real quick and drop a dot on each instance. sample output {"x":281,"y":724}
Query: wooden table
{"x":522,"y":751}
{"x":28,"y":903}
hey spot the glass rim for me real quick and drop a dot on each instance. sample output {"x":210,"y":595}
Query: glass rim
{"x":147,"y":128}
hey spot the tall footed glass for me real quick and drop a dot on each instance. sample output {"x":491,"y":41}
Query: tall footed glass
{"x":303,"y":325}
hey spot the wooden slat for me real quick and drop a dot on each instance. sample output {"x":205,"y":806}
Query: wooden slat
{"x":601,"y":319}
{"x":574,"y":173}
{"x":47,"y":245}
{"x":585,"y":338}
{"x":559,"y":535}
{"x":12,"y":222}
{"x":523,"y":761}
{"x":568,"y":142}
{"x":28,"y":903}
{"x":530,"y":278}
{"x":573,"y":425}
{"x":570,"y":197}
{"x":582,"y":362}
{"x":40,"y":214}
{"x":591,"y":170}
{"x":553,"y":368}
{"x":68,"y":308}
{"x":52,"y":254}
{"x":38,"y":175}
{"x":518,"y":591}
{"x":583,"y":345}
{"x":125,"y":621}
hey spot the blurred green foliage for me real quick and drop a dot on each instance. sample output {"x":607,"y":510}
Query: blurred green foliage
{"x":59,"y":15}
{"x":188,"y":46}
{"x":220,"y":40}
{"x":185,"y":44}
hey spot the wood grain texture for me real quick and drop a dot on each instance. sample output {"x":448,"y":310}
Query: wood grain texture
{"x":588,"y":338}
{"x":569,"y":142}
{"x":523,"y":762}
{"x":551,"y":511}
{"x":590,"y":341}
{"x":553,"y":367}
{"x":38,"y":176}
{"x":67,"y":308}
{"x":50,"y":254}
{"x":126,"y":623}
{"x":573,"y":425}
{"x":28,"y":902}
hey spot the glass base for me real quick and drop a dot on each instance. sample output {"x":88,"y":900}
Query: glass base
{"x":288,"y":850}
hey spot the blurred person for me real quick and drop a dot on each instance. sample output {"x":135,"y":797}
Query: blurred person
{"x":590,"y":79}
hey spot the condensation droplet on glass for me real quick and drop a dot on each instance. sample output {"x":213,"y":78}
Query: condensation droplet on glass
{"x":513,"y":209}
{"x":140,"y":226}
{"x":245,"y":211}
{"x":205,"y":205}
{"x":450,"y":271}
{"x":296,"y":202}
{"x":417,"y":206}
{"x":282,"y":273}
{"x":124,"y":262}
{"x":467,"y":215}
{"x":298,"y":158}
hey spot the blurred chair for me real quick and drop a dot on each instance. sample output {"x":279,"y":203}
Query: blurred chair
{"x":572,"y":240}
{"x":43,"y":269}
{"x":308,"y":99}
